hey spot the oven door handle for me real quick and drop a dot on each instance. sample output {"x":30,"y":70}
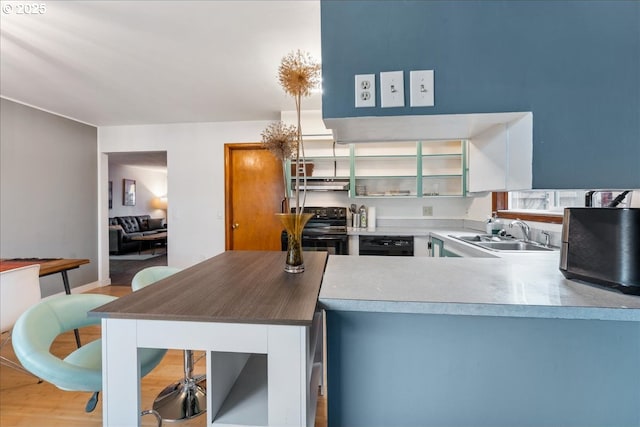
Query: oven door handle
{"x":319,"y":237}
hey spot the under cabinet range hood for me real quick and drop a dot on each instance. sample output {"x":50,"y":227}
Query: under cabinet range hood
{"x":321,"y":184}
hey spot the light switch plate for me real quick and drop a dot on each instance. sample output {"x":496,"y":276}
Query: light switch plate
{"x":422,"y":94}
{"x":365,"y":90}
{"x":391,"y":89}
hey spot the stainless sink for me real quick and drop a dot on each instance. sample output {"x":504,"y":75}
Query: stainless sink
{"x":483,"y":238}
{"x":513,"y":246}
{"x":502,"y":243}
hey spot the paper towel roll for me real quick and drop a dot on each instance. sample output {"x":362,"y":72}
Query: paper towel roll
{"x":371,"y":219}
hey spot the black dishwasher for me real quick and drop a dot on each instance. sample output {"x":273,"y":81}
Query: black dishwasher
{"x":386,"y":245}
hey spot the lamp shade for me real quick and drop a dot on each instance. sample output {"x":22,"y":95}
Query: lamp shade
{"x":159,"y":203}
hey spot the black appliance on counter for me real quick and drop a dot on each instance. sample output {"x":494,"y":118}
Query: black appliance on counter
{"x":602,"y":246}
{"x":386,"y":245}
{"x":326,"y":231}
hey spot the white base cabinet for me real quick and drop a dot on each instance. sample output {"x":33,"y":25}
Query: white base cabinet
{"x":421,"y":246}
{"x":257,"y":374}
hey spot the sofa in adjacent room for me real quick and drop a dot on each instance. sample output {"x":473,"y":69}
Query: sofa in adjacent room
{"x":123,"y":228}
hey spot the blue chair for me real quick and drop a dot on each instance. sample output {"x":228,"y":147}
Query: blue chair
{"x":38,"y":327}
{"x":150,"y":275}
{"x":186,"y":398}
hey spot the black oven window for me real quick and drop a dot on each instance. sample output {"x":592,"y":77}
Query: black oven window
{"x":335,"y":245}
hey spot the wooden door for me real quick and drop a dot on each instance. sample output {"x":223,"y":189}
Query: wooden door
{"x":253,"y":192}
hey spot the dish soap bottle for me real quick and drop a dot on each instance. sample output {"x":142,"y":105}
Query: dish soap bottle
{"x":496,"y":224}
{"x":489,"y":225}
{"x":363,"y":216}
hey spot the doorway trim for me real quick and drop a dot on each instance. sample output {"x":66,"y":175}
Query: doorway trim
{"x":104,"y":273}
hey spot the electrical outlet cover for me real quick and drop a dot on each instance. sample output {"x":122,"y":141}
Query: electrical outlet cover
{"x":391,"y":89}
{"x":422,"y":94}
{"x":365,"y":85}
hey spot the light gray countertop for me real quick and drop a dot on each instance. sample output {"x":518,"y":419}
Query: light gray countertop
{"x":518,"y":285}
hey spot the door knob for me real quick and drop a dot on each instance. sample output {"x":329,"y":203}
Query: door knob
{"x":234,"y":226}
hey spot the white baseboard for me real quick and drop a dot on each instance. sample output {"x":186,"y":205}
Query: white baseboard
{"x":83,"y":288}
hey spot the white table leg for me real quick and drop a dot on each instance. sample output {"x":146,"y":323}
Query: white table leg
{"x":120,"y":373}
{"x":287,"y":373}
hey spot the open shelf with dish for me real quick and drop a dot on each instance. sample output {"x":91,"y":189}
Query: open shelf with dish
{"x":385,"y":169}
{"x":382,"y":169}
{"x":442,"y":165}
{"x":386,"y":186}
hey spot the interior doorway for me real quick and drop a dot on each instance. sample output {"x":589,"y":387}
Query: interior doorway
{"x":254,"y":191}
{"x":137,"y":206}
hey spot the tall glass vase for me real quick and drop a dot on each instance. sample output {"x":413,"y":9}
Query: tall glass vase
{"x":293,"y":224}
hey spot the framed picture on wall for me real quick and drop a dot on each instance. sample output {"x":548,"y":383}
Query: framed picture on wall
{"x":128,"y":192}
{"x":110,"y":194}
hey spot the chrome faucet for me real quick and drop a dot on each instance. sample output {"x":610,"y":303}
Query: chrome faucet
{"x":526,"y":231}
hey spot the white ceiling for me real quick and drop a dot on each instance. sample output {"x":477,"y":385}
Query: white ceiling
{"x":145,"y":62}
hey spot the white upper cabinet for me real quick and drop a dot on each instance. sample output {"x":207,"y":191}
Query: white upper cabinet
{"x":501,"y":157}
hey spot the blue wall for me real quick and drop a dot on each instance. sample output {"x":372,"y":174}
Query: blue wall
{"x":408,"y":370}
{"x":575,"y":64}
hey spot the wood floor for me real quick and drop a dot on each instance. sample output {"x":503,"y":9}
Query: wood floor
{"x":24,"y":402}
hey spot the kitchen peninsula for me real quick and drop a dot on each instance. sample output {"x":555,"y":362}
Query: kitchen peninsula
{"x":258,"y":325}
{"x":477,"y":341}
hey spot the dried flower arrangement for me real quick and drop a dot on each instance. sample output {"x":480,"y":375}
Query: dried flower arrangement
{"x":281,"y":140}
{"x":298,"y":74}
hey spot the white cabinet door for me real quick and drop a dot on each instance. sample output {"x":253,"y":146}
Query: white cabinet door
{"x":421,"y":246}
{"x":500,"y":158}
{"x":354,"y":245}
